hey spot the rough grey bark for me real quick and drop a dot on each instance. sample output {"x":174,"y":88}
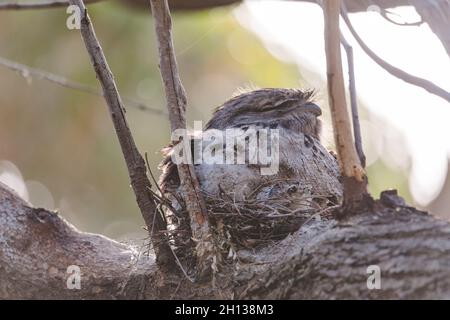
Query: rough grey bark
{"x":324,"y":259}
{"x":411,"y":248}
{"x":37,"y":246}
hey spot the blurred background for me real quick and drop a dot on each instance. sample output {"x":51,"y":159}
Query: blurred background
{"x":58,"y":149}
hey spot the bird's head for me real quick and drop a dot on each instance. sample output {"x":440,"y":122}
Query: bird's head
{"x":290,"y":109}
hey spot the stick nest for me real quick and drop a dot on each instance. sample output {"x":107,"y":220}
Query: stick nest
{"x":259,"y":219}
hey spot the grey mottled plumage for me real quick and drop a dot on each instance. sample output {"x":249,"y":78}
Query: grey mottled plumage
{"x":306,"y":168}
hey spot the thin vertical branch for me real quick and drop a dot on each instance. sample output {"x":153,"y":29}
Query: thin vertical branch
{"x":354,"y":178}
{"x":354,"y":101}
{"x":134,"y":161}
{"x":176,"y":105}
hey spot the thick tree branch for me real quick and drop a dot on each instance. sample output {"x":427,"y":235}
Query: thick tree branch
{"x":416,"y":81}
{"x":176,"y":105}
{"x":134,"y":161}
{"x":38,"y":246}
{"x":354,"y":178}
{"x":410,"y":248}
{"x":28,"y":72}
{"x":323,"y":260}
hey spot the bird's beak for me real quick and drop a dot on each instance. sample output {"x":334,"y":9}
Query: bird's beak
{"x":313,"y":108}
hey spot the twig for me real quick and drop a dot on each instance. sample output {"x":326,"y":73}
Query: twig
{"x":354,"y":101}
{"x":419,"y":82}
{"x":43,"y":4}
{"x":147,"y":163}
{"x":180,"y":265}
{"x":384,"y":13}
{"x":134,"y":161}
{"x":353,"y":175}
{"x":176,"y":105}
{"x":27,"y":71}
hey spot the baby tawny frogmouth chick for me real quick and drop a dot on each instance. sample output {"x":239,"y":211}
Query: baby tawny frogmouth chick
{"x":286,"y":161}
